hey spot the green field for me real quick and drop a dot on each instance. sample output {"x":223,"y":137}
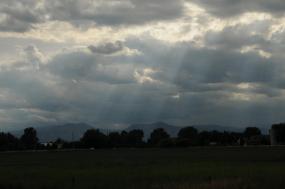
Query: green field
{"x":209,"y":167}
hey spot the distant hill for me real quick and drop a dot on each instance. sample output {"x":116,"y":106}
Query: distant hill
{"x":68,"y":132}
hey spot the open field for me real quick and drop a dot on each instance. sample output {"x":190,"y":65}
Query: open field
{"x":209,"y":167}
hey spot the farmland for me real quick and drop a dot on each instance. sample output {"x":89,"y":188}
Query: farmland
{"x":195,"y":167}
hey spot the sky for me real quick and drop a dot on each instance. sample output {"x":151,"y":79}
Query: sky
{"x":111,"y":63}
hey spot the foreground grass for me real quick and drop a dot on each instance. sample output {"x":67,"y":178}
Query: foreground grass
{"x":201,"y":168}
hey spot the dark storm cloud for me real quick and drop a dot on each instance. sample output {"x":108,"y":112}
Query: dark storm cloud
{"x":184,"y":63}
{"x":228,"y":8}
{"x":238,"y":36}
{"x":21,"y":16}
{"x":33,"y":88}
{"x":81,"y":65}
{"x":80,"y":86}
{"x":214,"y":66}
{"x":114,"y":12}
{"x":18,"y":16}
{"x":235,"y":76}
{"x":108,"y":48}
{"x":223,"y":68}
{"x":177,"y":82}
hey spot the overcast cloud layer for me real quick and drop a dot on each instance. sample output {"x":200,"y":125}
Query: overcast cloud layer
{"x":117,"y":62}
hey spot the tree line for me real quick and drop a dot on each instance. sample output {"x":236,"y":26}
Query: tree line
{"x":94,"y":138}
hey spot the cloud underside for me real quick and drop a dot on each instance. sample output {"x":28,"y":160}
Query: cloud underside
{"x":229,"y":8}
{"x":125,"y":61}
{"x":20,"y":16}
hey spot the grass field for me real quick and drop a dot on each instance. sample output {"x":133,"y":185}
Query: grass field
{"x":209,"y":167}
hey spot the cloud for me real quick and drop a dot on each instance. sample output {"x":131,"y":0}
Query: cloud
{"x":137,"y":61}
{"x":229,"y":8}
{"x":230,"y":37}
{"x":114,"y":12}
{"x":84,"y":65}
{"x":205,"y":86}
{"x":19,"y":16}
{"x":33,"y":56}
{"x":108,"y":48}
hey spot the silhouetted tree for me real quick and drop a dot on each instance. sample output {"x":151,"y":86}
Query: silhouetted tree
{"x":278,"y":133}
{"x":93,"y":138}
{"x":265,"y":140}
{"x":219,"y":138}
{"x":187,"y":136}
{"x":204,"y":138}
{"x":29,"y":139}
{"x":115,"y":139}
{"x":157,"y":136}
{"x":167,"y":143}
{"x":251,"y":131}
{"x":124,"y":138}
{"x":188,"y":132}
{"x":59,"y":143}
{"x":227,"y":138}
{"x":235,"y":138}
{"x":8,"y":142}
{"x":135,"y":138}
{"x":183,"y":142}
